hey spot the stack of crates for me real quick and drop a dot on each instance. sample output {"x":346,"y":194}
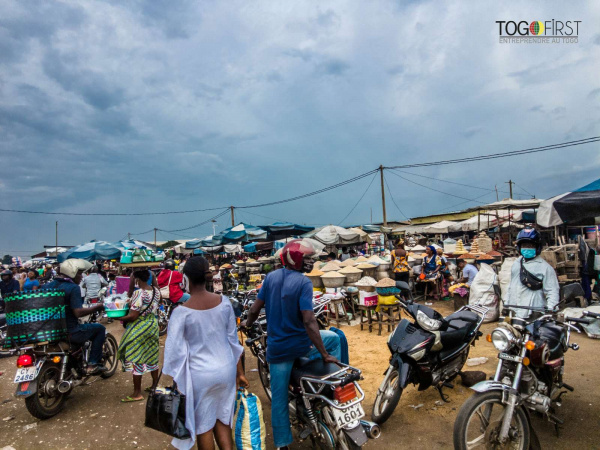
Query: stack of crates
{"x":565,"y":260}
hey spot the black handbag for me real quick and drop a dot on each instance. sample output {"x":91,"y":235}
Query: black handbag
{"x":530,"y":280}
{"x":166,"y":412}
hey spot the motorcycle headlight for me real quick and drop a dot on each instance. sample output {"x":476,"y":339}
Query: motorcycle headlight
{"x":427,"y":323}
{"x":503,"y":339}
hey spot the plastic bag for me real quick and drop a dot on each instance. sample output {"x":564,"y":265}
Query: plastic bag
{"x":482,"y":292}
{"x":248,"y":430}
{"x":504,"y":277}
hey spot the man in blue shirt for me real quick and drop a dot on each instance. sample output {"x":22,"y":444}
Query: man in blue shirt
{"x":292,"y":332}
{"x":71,"y":272}
{"x":468,"y":272}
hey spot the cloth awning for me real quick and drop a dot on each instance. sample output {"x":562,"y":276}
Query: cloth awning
{"x":253,"y":247}
{"x":364,"y":236}
{"x":243,"y":232}
{"x":443,"y":227}
{"x":334,"y":235}
{"x":91,"y":251}
{"x":280,"y":230}
{"x":571,"y":207}
{"x":510,"y":203}
{"x":410,"y":229}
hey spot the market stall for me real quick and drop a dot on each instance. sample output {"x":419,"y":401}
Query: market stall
{"x":91,"y":251}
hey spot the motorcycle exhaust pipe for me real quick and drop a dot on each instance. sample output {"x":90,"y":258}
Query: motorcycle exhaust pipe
{"x":64,"y":387}
{"x":371,"y":428}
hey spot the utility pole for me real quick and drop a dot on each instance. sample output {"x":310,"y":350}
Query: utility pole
{"x":371,"y":215}
{"x":214,"y":226}
{"x":232,"y":217}
{"x":128,"y":236}
{"x":497,"y":199}
{"x":56,"y":241}
{"x":510,"y":184}
{"x":155,"y":238}
{"x":383,"y":197}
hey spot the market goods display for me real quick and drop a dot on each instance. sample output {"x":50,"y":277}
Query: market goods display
{"x":386,"y":286}
{"x":368,"y":269}
{"x":366,"y":284}
{"x":139,"y":255}
{"x":315,"y":277}
{"x":352,"y":274}
{"x":348,"y":263}
{"x":460,"y":248}
{"x":35,"y":316}
{"x":333,"y":279}
{"x":330,"y":267}
{"x":484,"y":242}
{"x":361,"y":259}
{"x":116,"y":308}
{"x":474,"y":248}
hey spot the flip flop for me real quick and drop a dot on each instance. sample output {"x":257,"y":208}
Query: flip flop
{"x":129,"y":399}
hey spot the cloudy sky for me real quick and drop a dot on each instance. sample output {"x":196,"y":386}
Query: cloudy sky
{"x":150,"y":106}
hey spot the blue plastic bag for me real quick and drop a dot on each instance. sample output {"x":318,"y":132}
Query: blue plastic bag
{"x":249,"y":431}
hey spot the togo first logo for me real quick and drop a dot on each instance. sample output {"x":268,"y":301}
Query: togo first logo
{"x":538,"y":31}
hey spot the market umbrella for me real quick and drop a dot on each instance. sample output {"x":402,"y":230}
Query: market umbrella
{"x":364,"y":236}
{"x":579,"y":205}
{"x":307,"y":246}
{"x":280,"y":230}
{"x":243,"y":232}
{"x":91,"y":251}
{"x":332,"y":235}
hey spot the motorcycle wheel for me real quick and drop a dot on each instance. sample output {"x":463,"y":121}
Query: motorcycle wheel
{"x":325,"y":441}
{"x":109,"y":356}
{"x":163,"y":322}
{"x":265,"y":377}
{"x":387,"y":398}
{"x":47,"y":401}
{"x":478,"y":424}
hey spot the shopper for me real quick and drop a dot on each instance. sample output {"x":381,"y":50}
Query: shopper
{"x":172,"y":278}
{"x":93,"y":284}
{"x":202,"y":354}
{"x":31,"y":282}
{"x":138,"y":350}
{"x":400,"y":262}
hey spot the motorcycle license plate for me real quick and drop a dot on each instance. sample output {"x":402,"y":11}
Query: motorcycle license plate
{"x":508,"y":357}
{"x":26,"y":374}
{"x":348,"y":415}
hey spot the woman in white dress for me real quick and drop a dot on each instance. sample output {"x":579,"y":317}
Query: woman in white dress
{"x":202,"y":354}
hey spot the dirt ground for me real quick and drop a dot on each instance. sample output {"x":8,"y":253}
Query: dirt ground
{"x":94,"y":417}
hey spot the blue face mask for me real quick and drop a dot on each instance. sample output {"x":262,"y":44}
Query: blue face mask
{"x":528,"y":253}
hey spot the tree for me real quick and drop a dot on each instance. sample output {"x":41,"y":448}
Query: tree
{"x":168,"y":244}
{"x":7,"y":259}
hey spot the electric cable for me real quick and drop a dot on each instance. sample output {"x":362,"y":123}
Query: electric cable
{"x":361,"y":197}
{"x":225,"y":211}
{"x":392,"y":197}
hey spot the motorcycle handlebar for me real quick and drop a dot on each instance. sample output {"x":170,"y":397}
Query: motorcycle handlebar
{"x":576,"y":320}
{"x":591,"y":314}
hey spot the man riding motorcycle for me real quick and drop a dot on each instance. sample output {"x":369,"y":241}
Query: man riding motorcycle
{"x":173,"y":279}
{"x":292,"y":332}
{"x":8,"y":285}
{"x":533,"y":281}
{"x":68,"y":280}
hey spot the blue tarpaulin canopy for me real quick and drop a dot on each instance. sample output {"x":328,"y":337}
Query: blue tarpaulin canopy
{"x":92,"y":251}
{"x":280,"y":230}
{"x":243,"y":232}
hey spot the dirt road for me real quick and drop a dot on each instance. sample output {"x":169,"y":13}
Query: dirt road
{"x":94,"y":417}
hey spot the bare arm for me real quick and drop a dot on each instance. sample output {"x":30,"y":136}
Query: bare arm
{"x":254,"y":312}
{"x":82,"y":312}
{"x":312,"y":329}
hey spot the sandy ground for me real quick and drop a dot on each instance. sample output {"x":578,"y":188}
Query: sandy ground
{"x":94,"y":417}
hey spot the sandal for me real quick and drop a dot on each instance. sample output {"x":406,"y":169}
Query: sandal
{"x":130,"y":399}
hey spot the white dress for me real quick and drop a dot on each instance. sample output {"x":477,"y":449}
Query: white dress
{"x":201,"y":354}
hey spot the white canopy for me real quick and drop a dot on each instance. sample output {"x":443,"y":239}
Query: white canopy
{"x":364,"y":236}
{"x":491,"y":218}
{"x":445,"y":226}
{"x":332,"y":235}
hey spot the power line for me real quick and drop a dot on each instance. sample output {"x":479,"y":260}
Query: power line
{"x":447,"y":181}
{"x":109,"y":214}
{"x":436,"y":190}
{"x":361,"y":197}
{"x":222,"y":213}
{"x":523,"y":189}
{"x":392,"y":197}
{"x":526,"y":151}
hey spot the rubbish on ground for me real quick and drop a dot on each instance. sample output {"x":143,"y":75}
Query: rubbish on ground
{"x":476,"y":361}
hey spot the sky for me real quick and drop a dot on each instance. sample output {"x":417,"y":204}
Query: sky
{"x":155,"y":105}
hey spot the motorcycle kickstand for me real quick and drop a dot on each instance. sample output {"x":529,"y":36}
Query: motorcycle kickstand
{"x":443,"y":396}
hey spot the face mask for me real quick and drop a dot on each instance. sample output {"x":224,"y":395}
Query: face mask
{"x":528,"y":253}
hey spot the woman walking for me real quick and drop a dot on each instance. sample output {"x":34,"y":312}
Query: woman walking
{"x":138,"y":351}
{"x":202,"y":354}
{"x":400,"y":262}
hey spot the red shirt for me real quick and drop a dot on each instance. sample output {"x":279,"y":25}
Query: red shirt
{"x":175,"y":291}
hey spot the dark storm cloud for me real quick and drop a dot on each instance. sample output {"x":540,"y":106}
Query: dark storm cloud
{"x":165,"y":105}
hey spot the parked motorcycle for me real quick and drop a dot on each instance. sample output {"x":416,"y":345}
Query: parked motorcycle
{"x":429,"y":351}
{"x":325,"y":399}
{"x":47,"y":373}
{"x":529,"y":377}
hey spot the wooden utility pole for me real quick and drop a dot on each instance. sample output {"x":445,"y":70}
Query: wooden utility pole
{"x":128,"y":236}
{"x":155,"y":238}
{"x":497,"y":199}
{"x":56,"y":241}
{"x":510,"y":184}
{"x":232,"y":217}
{"x":383,"y":197}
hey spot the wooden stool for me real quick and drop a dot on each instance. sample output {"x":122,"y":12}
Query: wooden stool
{"x":390,"y":315}
{"x":352,"y":302}
{"x":334,"y":309}
{"x":436,"y":288}
{"x":366,"y":316}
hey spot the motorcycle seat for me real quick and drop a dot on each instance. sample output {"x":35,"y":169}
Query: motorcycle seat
{"x":461,"y":324}
{"x":315,"y":368}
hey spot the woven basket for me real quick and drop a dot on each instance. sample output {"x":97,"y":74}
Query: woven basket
{"x":387,"y":290}
{"x":36,"y":316}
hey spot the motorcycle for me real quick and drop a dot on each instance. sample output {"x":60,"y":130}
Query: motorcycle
{"x":529,"y":377}
{"x":325,"y":400}
{"x":429,"y":351}
{"x":47,"y":373}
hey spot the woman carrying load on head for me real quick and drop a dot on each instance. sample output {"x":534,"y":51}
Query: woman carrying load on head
{"x":400,"y":262}
{"x":138,"y":350}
